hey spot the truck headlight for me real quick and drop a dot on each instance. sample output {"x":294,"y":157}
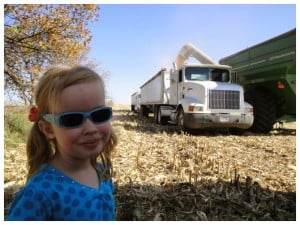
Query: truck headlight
{"x":193,"y":108}
{"x":249,"y":109}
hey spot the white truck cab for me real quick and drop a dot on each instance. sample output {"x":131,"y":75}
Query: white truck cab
{"x":205,"y":98}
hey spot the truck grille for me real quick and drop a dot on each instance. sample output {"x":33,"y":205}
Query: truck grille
{"x":224,"y":99}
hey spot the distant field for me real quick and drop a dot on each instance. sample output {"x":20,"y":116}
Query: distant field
{"x":164,"y":174}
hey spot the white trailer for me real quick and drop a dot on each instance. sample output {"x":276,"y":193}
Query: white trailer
{"x":156,"y":90}
{"x":196,"y":96}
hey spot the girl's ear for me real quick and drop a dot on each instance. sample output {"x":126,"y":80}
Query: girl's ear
{"x":47,"y":129}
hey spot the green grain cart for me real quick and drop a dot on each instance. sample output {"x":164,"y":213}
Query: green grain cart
{"x":267,"y":71}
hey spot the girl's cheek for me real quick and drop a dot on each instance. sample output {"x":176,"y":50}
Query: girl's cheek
{"x":105,"y":129}
{"x":70,"y":135}
{"x":65,"y":133}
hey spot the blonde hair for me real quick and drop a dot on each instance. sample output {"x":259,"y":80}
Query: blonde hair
{"x":39,"y":149}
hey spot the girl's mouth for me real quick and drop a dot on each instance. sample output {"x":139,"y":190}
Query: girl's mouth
{"x":91,"y":143}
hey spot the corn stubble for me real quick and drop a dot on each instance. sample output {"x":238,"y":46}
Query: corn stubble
{"x":161,"y":173}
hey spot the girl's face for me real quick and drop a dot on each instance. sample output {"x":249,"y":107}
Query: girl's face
{"x":89,"y":139}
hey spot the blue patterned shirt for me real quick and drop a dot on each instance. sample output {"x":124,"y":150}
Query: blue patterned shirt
{"x":52,"y":195}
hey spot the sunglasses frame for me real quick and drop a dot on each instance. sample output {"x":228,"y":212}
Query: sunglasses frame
{"x":56,"y":118}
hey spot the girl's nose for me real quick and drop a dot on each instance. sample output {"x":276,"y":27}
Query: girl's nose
{"x":89,"y":127}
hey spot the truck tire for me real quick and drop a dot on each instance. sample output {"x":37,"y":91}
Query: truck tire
{"x":162,"y":120}
{"x":180,"y":119}
{"x":156,"y":114}
{"x":181,"y":124}
{"x":144,"y":111}
{"x":264,"y":110}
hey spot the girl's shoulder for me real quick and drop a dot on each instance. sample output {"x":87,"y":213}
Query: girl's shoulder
{"x":45,"y":176}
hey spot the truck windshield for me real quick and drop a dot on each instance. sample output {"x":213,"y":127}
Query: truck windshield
{"x":201,"y":74}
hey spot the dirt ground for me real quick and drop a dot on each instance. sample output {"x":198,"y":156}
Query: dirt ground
{"x":161,"y":173}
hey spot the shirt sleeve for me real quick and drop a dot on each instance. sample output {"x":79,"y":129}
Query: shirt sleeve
{"x":29,"y":204}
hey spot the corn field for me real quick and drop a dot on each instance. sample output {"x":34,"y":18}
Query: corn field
{"x":161,"y":173}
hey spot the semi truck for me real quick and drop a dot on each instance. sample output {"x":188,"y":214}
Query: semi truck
{"x":195,"y":96}
{"x":267,"y":71}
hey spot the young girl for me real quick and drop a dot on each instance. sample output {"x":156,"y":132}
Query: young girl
{"x":71,"y":131}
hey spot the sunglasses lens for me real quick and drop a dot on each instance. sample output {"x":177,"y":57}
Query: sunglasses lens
{"x":71,"y":120}
{"x":101,"y":115}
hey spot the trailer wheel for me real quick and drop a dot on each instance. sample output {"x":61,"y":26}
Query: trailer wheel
{"x":155,"y":111}
{"x":144,"y":111}
{"x":264,"y":110}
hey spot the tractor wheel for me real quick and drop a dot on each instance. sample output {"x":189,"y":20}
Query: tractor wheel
{"x":264,"y":110}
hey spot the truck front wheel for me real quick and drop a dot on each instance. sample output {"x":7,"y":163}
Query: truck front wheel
{"x":264,"y":110}
{"x":180,"y":119}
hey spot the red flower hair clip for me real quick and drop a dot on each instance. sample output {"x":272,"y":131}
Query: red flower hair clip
{"x":33,"y":113}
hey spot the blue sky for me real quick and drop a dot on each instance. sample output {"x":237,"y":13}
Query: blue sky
{"x":133,"y":42}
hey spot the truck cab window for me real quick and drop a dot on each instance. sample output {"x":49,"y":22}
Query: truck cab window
{"x":200,"y":77}
{"x":202,"y":74}
{"x":197,"y":74}
{"x":220,"y":75}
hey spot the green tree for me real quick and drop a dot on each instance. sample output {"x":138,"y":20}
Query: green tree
{"x":37,"y":36}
